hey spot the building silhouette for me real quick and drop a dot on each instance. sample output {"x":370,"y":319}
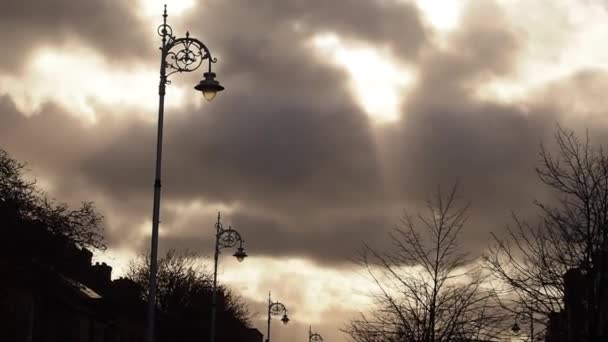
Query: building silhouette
{"x":585,"y":314}
{"x":50,"y":291}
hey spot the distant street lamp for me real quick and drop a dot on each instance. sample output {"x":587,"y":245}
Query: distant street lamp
{"x":313,"y":337}
{"x":224,"y":238}
{"x":516,"y":329}
{"x":177,"y":55}
{"x":275,"y":309}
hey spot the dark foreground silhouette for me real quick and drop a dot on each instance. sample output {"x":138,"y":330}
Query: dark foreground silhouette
{"x":51,"y":291}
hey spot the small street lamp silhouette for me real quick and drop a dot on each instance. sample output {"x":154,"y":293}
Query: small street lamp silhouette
{"x":516,"y":329}
{"x":313,"y":337}
{"x":224,"y":238}
{"x":275,"y":309}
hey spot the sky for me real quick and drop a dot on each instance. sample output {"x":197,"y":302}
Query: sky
{"x":337,"y":116}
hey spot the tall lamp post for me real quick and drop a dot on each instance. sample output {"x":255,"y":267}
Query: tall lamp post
{"x":224,"y":238}
{"x":313,"y":337}
{"x":275,"y":309}
{"x":177,"y":55}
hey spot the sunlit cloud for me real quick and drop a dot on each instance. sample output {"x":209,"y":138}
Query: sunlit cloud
{"x":79,"y":80}
{"x":119,"y":259}
{"x":559,"y":38}
{"x":154,"y":8}
{"x":378,"y":82}
{"x":443,"y":15}
{"x":199,"y":207}
{"x":313,"y":289}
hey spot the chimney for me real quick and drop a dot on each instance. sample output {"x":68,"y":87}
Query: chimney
{"x":101,"y":276}
{"x":86,"y":257}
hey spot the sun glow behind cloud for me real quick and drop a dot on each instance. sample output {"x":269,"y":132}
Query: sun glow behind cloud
{"x":377,"y":80}
{"x":309,"y":291}
{"x":119,"y":259}
{"x":443,"y":15}
{"x":316,"y":289}
{"x":79,"y":80}
{"x":154,"y":8}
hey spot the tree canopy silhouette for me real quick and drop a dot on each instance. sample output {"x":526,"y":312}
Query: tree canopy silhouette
{"x":23,"y":205}
{"x":184,"y":296}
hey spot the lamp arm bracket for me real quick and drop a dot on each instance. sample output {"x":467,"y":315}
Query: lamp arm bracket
{"x":228,"y":238}
{"x":184,"y":54}
{"x":277,"y":309}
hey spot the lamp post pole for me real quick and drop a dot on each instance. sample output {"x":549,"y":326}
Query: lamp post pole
{"x":177,"y":55}
{"x":531,"y":324}
{"x":313,"y":337}
{"x":224,"y":238}
{"x":276,"y":309}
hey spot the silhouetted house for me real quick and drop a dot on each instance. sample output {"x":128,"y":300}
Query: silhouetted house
{"x":192,"y":322}
{"x":585,"y":314}
{"x":557,"y":330}
{"x":55,"y":294}
{"x":252,"y":335}
{"x":50,"y":292}
{"x":230,"y":329}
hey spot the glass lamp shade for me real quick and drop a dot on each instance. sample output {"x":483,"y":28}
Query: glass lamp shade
{"x":240,"y":254}
{"x":209,"y":86}
{"x":209,"y":95}
{"x":285,"y":319}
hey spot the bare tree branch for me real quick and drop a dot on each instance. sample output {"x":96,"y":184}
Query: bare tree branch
{"x":571,"y":234}
{"x":427,"y":288}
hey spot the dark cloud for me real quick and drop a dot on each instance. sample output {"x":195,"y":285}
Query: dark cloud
{"x":55,"y":145}
{"x":325,"y":237}
{"x":305,"y":170}
{"x":268,"y":32}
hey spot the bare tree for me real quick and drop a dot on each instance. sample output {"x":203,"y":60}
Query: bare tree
{"x":184,"y":287}
{"x":23,"y":204}
{"x":571,"y":234}
{"x":428,"y":289}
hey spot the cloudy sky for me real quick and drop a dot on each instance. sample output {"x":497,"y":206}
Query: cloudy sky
{"x":337,"y":115}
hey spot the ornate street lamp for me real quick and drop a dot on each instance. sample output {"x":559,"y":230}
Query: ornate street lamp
{"x":224,"y":238}
{"x":275,"y":309}
{"x":177,"y":55}
{"x":313,"y":337}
